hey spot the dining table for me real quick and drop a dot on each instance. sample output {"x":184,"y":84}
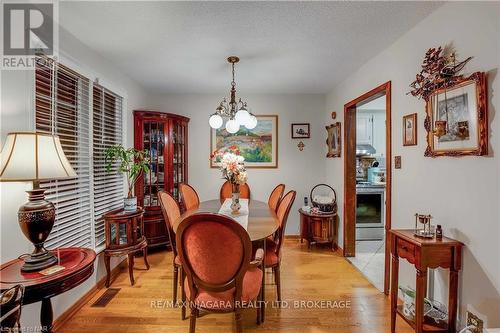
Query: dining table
{"x":258,"y":219}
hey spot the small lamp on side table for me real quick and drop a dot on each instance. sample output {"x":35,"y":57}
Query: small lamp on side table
{"x":30,"y":156}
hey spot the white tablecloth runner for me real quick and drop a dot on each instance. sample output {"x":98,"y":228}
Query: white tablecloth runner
{"x":241,"y":217}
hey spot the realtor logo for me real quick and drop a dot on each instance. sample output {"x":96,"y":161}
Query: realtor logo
{"x":28,"y":30}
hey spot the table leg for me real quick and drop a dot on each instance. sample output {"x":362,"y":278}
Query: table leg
{"x":107,"y":263}
{"x":131,"y":268}
{"x":394,"y":291}
{"x":419,"y":299}
{"x":452,"y":303}
{"x":145,"y":255}
{"x":46,"y":316}
{"x":263,"y":301}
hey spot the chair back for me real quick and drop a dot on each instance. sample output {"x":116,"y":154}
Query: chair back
{"x":189,"y":196}
{"x":275,"y":196}
{"x":215,"y":252}
{"x":171,"y":212}
{"x":227,"y":190}
{"x":10,"y":309}
{"x":283,"y":210}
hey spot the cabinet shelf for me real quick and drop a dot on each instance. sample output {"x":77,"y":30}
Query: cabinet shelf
{"x":428,"y":326}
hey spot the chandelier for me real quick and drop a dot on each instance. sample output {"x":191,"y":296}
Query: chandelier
{"x":235,"y":113}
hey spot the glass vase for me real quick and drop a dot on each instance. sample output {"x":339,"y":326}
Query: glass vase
{"x":235,"y":198}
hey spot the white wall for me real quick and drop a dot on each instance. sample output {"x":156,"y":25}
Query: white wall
{"x":461,"y":193}
{"x":300,"y":171}
{"x":17,"y":114}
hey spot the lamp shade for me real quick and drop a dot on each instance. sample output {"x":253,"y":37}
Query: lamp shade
{"x":29,"y":156}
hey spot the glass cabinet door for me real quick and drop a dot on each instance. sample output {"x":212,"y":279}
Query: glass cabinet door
{"x":179,"y":165}
{"x":154,"y":143}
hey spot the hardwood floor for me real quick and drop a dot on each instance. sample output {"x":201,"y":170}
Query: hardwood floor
{"x":306,"y":276}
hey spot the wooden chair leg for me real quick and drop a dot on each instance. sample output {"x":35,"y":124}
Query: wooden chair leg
{"x":278,"y":282}
{"x":192,"y":320}
{"x":108,"y":269}
{"x":183,"y":296}
{"x":176,"y":277}
{"x":237,"y":317}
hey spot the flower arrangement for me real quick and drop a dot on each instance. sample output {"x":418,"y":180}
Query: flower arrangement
{"x":232,"y":165}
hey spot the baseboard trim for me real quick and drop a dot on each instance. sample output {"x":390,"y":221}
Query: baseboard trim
{"x":292,"y":236}
{"x":66,"y":315}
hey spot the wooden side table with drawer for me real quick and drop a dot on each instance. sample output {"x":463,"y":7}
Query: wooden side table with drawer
{"x":424,"y":253}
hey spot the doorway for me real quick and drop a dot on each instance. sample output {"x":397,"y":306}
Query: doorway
{"x":367,"y":183}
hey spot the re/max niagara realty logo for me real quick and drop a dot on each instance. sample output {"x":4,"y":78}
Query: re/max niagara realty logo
{"x":28,"y":30}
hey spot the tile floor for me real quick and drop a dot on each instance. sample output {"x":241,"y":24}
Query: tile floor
{"x":370,"y":260}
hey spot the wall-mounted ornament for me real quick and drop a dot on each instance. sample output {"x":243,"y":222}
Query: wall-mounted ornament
{"x":333,"y":140}
{"x":334,"y":115}
{"x":301,"y":146}
{"x":301,"y":131}
{"x":410,"y":130}
{"x":456,"y":106}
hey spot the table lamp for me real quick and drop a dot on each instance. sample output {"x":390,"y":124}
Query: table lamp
{"x":29,"y":156}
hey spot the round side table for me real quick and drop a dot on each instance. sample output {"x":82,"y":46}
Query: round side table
{"x":78,"y":266}
{"x":319,"y":228}
{"x":124,"y":231}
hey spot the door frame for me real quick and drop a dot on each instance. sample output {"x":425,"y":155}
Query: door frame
{"x":349,"y":214}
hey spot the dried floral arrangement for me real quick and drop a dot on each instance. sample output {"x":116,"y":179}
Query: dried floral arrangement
{"x":440,"y":69}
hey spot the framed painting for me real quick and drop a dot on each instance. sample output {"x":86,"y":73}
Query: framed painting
{"x":259,"y":146}
{"x":410,"y":130}
{"x":457,"y":118}
{"x":333,"y":140}
{"x":301,"y":131}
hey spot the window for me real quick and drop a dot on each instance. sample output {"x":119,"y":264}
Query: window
{"x":62,"y":103}
{"x":62,"y":108}
{"x":107,"y":131}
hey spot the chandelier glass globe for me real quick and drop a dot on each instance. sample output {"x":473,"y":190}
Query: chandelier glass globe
{"x":232,"y":126}
{"x":252,"y":122}
{"x":215,"y":121}
{"x":242,"y":117}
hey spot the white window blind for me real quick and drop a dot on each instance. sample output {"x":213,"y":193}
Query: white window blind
{"x":62,"y":108}
{"x":107,"y":131}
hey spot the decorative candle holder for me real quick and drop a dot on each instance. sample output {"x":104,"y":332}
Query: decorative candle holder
{"x":426,"y":231}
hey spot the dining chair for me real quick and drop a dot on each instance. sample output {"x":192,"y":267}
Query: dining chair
{"x":275,"y":196}
{"x":226,"y":191}
{"x":216,"y":253}
{"x":10,"y":309}
{"x":171,"y":212}
{"x":189,"y":196}
{"x":272,"y":258}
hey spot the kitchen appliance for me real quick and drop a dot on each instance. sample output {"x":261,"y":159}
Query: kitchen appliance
{"x":370,"y":211}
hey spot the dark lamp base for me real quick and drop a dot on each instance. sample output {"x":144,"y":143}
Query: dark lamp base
{"x":37,"y":262}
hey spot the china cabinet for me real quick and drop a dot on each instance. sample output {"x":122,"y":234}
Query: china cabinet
{"x":165,"y":137}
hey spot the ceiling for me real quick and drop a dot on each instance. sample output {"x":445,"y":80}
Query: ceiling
{"x":285,"y":47}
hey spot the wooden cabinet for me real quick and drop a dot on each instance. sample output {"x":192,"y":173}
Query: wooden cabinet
{"x":364,"y":129}
{"x":318,"y":228}
{"x":165,"y":137}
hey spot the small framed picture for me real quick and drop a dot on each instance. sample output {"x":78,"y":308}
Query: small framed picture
{"x":333,"y":140}
{"x":410,"y":130}
{"x":301,"y":131}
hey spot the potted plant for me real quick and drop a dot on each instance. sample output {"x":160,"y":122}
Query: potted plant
{"x":132,"y":163}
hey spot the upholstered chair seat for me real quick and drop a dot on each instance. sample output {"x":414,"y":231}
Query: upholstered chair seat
{"x":216,"y":256}
{"x":224,"y":300}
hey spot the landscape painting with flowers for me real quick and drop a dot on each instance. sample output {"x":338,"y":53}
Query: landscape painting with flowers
{"x":258,"y":146}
